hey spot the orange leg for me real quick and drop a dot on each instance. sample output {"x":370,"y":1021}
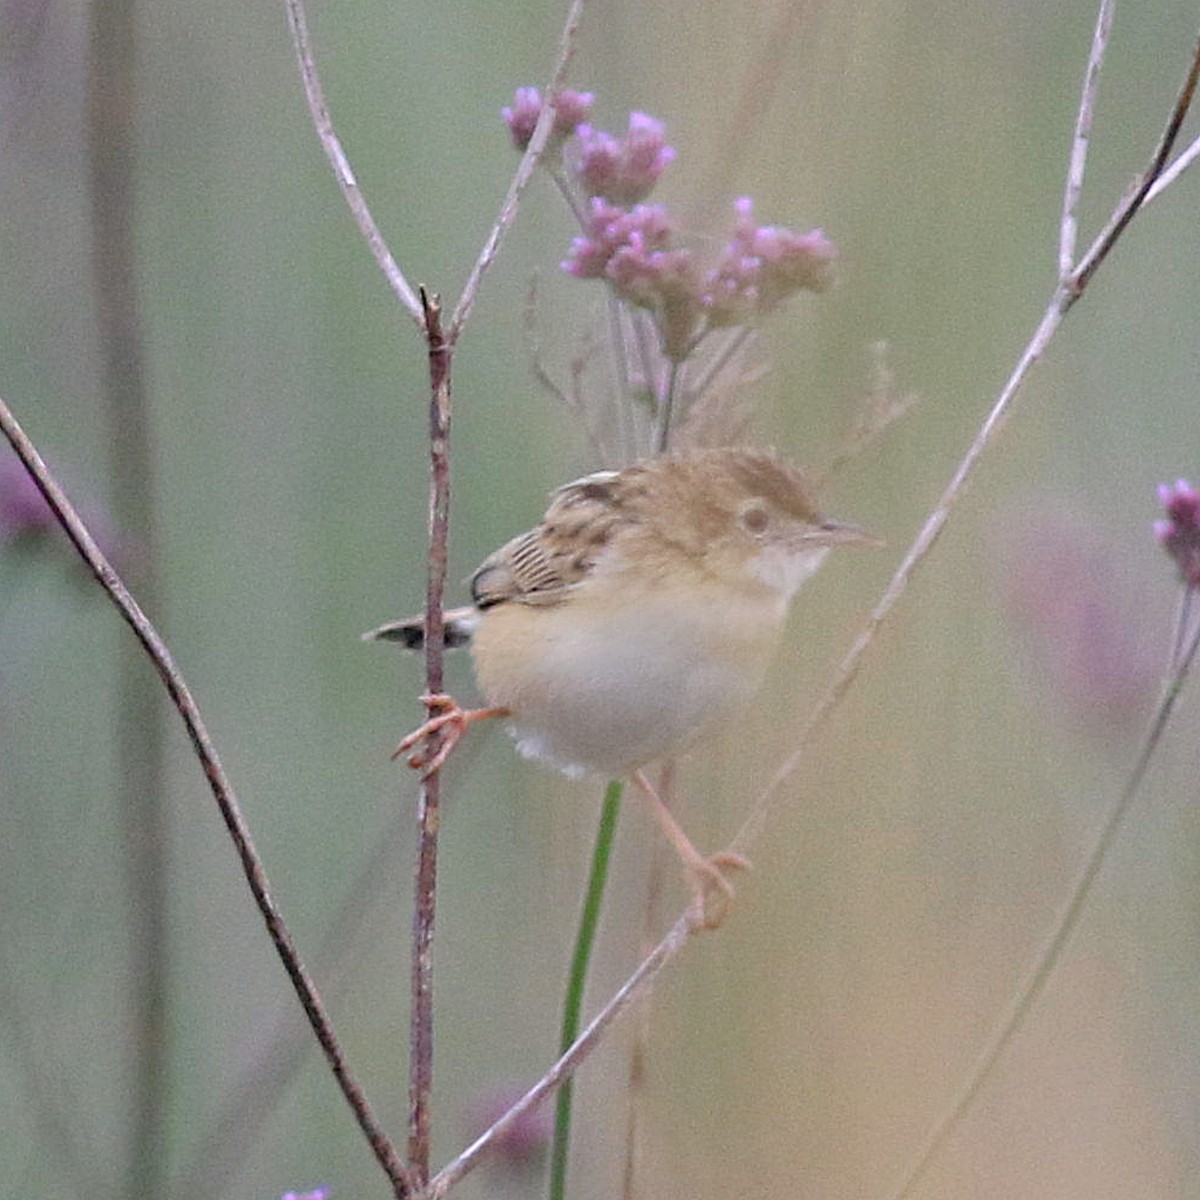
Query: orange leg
{"x":711,"y":890}
{"x":448,"y":717}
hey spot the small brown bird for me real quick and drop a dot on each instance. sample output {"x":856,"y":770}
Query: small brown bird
{"x":639,"y":613}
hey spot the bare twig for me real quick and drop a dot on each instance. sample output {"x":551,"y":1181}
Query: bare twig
{"x":252,"y":1098}
{"x":420,"y":1063}
{"x":1186,"y":159}
{"x":222,"y":791}
{"x":1068,"y":228}
{"x":847,"y":670}
{"x":1136,"y":197}
{"x":533,"y":152}
{"x":1062,"y":929}
{"x":566,"y":1066}
{"x":441,"y":347}
{"x":426,"y":312}
{"x":342,"y":170}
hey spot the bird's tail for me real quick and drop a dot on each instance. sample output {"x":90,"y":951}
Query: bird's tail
{"x":410,"y":633}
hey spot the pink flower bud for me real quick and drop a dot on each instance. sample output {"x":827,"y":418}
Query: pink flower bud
{"x":623,"y":170}
{"x":570,"y":110}
{"x":1179,"y":532}
{"x":763,"y":265}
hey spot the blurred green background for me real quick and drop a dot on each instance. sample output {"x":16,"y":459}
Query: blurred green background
{"x":910,"y":870}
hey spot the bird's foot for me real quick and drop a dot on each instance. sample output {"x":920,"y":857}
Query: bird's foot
{"x":712,"y":893}
{"x":451,"y":720}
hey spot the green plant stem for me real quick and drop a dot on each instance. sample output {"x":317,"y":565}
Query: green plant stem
{"x":585,"y":940}
{"x":662,"y":435}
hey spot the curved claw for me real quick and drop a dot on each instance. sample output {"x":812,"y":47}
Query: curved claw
{"x":450,"y":719}
{"x":712,"y":892}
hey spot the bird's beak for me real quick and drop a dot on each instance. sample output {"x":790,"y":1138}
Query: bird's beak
{"x":841,"y":533}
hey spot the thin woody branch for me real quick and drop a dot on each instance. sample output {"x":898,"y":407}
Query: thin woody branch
{"x":1187,"y":158}
{"x":525,"y":169}
{"x":1068,"y":227}
{"x":222,"y":790}
{"x":1136,"y":197}
{"x":420,"y":1064}
{"x":340,"y":164}
{"x":427,"y":313}
{"x":635,"y":986}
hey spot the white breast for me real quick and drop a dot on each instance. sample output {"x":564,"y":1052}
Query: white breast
{"x":604,"y":688}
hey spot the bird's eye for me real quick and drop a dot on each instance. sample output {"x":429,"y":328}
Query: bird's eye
{"x":755,"y":518}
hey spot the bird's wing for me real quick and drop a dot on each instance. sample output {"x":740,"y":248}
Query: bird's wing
{"x":541,"y":566}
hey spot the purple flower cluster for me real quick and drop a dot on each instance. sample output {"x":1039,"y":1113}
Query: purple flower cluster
{"x":631,"y":250}
{"x":623,"y":170}
{"x":571,"y":109}
{"x":761,"y":266}
{"x":1179,"y":532}
{"x":634,"y":247}
{"x":321,"y":1193}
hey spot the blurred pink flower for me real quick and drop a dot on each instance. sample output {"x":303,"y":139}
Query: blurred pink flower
{"x":1179,"y":532}
{"x":635,"y":249}
{"x":761,"y":266}
{"x":521,"y":117}
{"x":526,"y":1141}
{"x":1063,"y":587}
{"x":610,"y":229}
{"x":623,"y":170}
{"x":25,"y":515}
{"x":23,"y":509}
{"x":631,"y":250}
